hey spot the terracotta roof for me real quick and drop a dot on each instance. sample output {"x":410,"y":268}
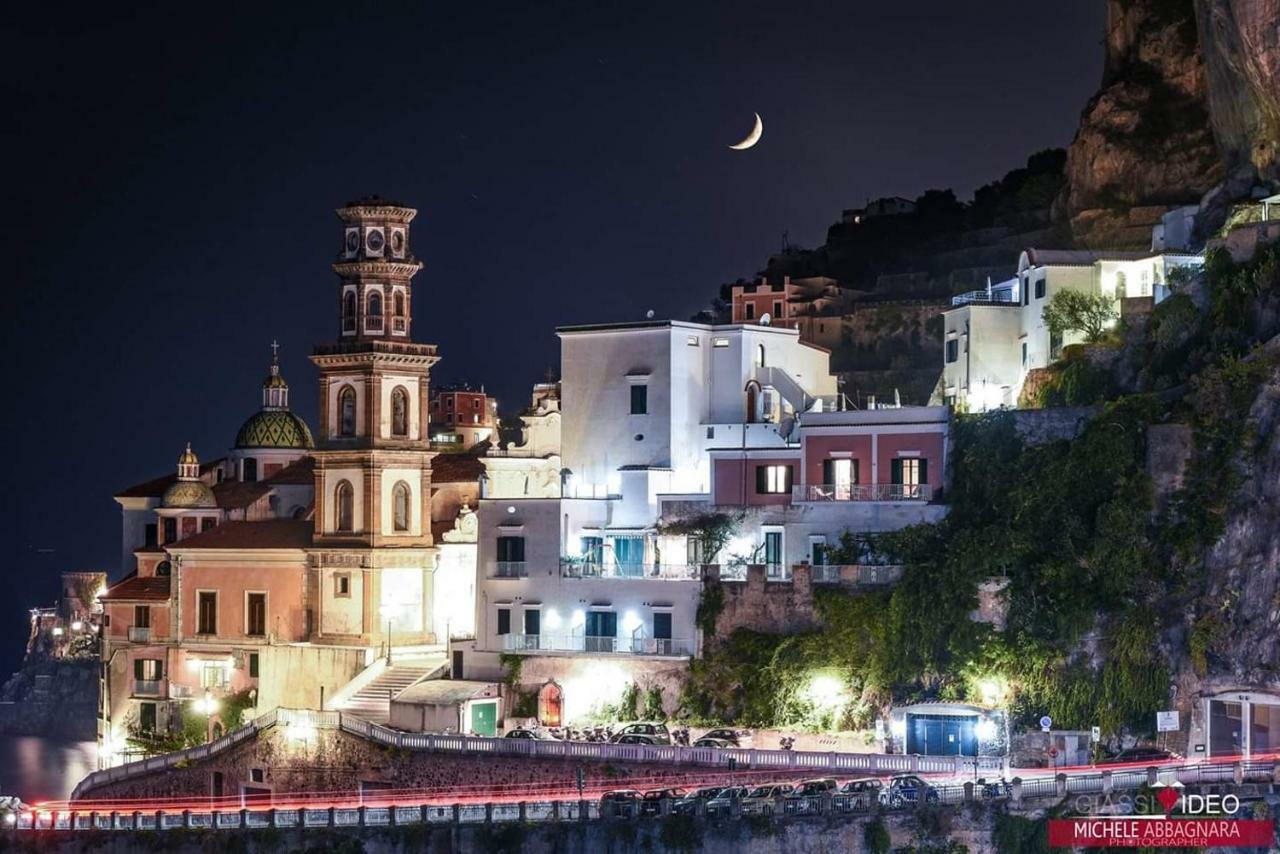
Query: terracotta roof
{"x":456,"y":468}
{"x":155,"y":487}
{"x":301,"y":472}
{"x":234,"y":494}
{"x":133,"y":587}
{"x":267,"y":534}
{"x":146,"y":550}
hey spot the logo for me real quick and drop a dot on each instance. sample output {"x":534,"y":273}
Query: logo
{"x":1170,"y":817}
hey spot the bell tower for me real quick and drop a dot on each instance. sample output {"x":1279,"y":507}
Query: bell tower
{"x":373,"y":459}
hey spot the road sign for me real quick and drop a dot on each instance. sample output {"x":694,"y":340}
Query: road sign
{"x":1045,"y":723}
{"x":1167,"y":722}
{"x":1053,"y":752}
{"x":1095,"y":734}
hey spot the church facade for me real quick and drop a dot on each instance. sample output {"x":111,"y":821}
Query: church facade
{"x":278,"y":572}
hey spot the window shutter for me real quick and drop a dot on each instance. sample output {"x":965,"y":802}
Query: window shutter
{"x":786,"y":486}
{"x":137,"y":668}
{"x":895,"y":471}
{"x":828,"y":472}
{"x":854,"y":473}
{"x":762,"y":480}
{"x":518,"y":549}
{"x":924,"y":470}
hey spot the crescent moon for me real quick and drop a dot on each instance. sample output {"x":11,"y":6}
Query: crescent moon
{"x":752,"y":138}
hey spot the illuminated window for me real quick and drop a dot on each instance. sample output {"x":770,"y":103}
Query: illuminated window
{"x":773,"y":480}
{"x":344,"y":500}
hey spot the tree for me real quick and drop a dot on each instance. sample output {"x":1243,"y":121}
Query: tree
{"x":1076,"y":311}
{"x":711,"y":529}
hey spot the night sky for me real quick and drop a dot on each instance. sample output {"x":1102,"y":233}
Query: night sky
{"x":172,"y":179}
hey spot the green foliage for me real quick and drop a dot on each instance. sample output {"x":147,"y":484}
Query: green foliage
{"x":1077,"y":311}
{"x":710,"y":605}
{"x":875,"y":837}
{"x":653,"y":710}
{"x":1073,"y":381}
{"x":512,"y":665}
{"x":1015,"y":834}
{"x":711,"y":530}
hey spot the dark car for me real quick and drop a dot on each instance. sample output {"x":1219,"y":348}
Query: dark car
{"x":907,"y":789}
{"x":651,"y":804}
{"x":722,"y":803}
{"x":814,"y":788}
{"x":733,"y":736}
{"x":633,"y":738}
{"x":1142,"y":754}
{"x":717,"y":743}
{"x":861,"y":785}
{"x":620,"y":802}
{"x":688,"y":805}
{"x":531,"y":734}
{"x":657,"y":733}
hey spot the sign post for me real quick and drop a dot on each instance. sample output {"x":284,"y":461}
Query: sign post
{"x":1166,"y":722}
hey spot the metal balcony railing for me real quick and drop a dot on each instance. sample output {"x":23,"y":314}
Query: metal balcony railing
{"x":140,"y":634}
{"x":580,"y":568}
{"x":147,"y":687}
{"x":399,"y":324}
{"x":372,"y":323}
{"x":984,"y":297}
{"x":509,"y":569}
{"x":857,"y":574}
{"x":862,"y":492}
{"x":348,"y":324}
{"x":597,"y":644}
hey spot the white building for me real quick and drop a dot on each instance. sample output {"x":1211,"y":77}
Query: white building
{"x":995,"y":336}
{"x":658,"y":418}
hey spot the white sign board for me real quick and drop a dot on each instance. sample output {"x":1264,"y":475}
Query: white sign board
{"x":1167,"y":722}
{"x":1095,"y":734}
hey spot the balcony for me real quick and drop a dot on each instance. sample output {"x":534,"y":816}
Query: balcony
{"x":597,"y":645}
{"x":862,"y":492}
{"x":399,"y":325}
{"x":857,"y":574}
{"x":146,"y":687}
{"x":509,"y":569}
{"x":372,"y":323}
{"x":140,"y":634}
{"x":1002,"y":296}
{"x":348,"y":325}
{"x":580,"y":568}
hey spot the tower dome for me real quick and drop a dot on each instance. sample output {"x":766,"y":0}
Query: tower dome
{"x":274,"y":426}
{"x":189,"y":490}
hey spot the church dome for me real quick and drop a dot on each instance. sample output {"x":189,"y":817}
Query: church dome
{"x":275,"y":428}
{"x":188,"y":493}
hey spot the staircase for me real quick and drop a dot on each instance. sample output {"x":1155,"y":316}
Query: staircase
{"x":373,"y":700}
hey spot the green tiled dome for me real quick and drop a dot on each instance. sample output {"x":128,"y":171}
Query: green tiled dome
{"x":274,"y":428}
{"x":188,"y":493}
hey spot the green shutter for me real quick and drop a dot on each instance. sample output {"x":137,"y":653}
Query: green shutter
{"x":924,"y":470}
{"x":895,"y":471}
{"x":828,"y":472}
{"x":786,"y":486}
{"x":762,"y":480}
{"x":137,"y":668}
{"x":854,"y":473}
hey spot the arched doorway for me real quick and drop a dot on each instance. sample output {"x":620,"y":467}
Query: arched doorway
{"x":753,"y":402}
{"x":550,"y":705}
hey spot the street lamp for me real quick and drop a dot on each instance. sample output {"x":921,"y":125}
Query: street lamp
{"x":386,"y":611}
{"x":207,"y":706}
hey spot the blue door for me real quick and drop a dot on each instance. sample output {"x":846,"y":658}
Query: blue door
{"x":942,"y":735}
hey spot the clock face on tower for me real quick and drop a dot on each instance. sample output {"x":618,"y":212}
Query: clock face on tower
{"x":353,"y":241}
{"x":374,"y":241}
{"x":397,"y":242}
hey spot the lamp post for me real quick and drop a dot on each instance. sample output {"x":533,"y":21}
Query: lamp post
{"x":386,"y":614}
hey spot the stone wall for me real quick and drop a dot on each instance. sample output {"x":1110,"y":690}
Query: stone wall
{"x":54,"y":698}
{"x":1041,"y":426}
{"x":332,"y":760}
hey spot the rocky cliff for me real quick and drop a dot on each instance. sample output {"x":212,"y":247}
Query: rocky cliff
{"x":1189,"y":102}
{"x":1145,"y":141}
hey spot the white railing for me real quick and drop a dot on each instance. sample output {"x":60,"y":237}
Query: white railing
{"x":1003,"y":296}
{"x":139,"y":634}
{"x":598,"y":644}
{"x":857,"y":574}
{"x":862,"y":492}
{"x":146,"y":687}
{"x":577,"y":568}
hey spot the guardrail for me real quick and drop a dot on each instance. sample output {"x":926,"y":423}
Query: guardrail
{"x":822,"y":492}
{"x":385,"y":808}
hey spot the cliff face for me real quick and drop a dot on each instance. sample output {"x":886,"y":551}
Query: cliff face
{"x":1240,"y":41}
{"x":1145,"y":141}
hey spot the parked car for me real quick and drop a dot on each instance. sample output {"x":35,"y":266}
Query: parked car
{"x":722,"y":802}
{"x":651,"y":804}
{"x":906,"y":789}
{"x":658,"y":733}
{"x":1153,"y":755}
{"x":688,"y":805}
{"x":620,"y":802}
{"x":533,"y":734}
{"x":865,"y":790}
{"x":717,"y":743}
{"x":633,"y":738}
{"x":763,"y":800}
{"x":813,"y":788}
{"x":737,"y":738}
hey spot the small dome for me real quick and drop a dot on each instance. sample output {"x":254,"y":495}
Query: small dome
{"x":188,"y":457}
{"x":188,"y":493}
{"x":275,"y":428}
{"x":274,"y":380}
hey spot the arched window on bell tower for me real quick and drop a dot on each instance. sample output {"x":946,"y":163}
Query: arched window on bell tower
{"x":399,"y":304}
{"x":400,"y":506}
{"x":349,"y":312}
{"x":373,"y":315}
{"x":344,"y":500}
{"x":347,"y":411}
{"x":399,"y":411}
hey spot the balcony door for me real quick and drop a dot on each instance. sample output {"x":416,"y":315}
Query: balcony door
{"x":909,"y":473}
{"x":662,"y":632}
{"x":839,"y":476}
{"x":602,"y":631}
{"x":256,"y":615}
{"x":532,"y":628}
